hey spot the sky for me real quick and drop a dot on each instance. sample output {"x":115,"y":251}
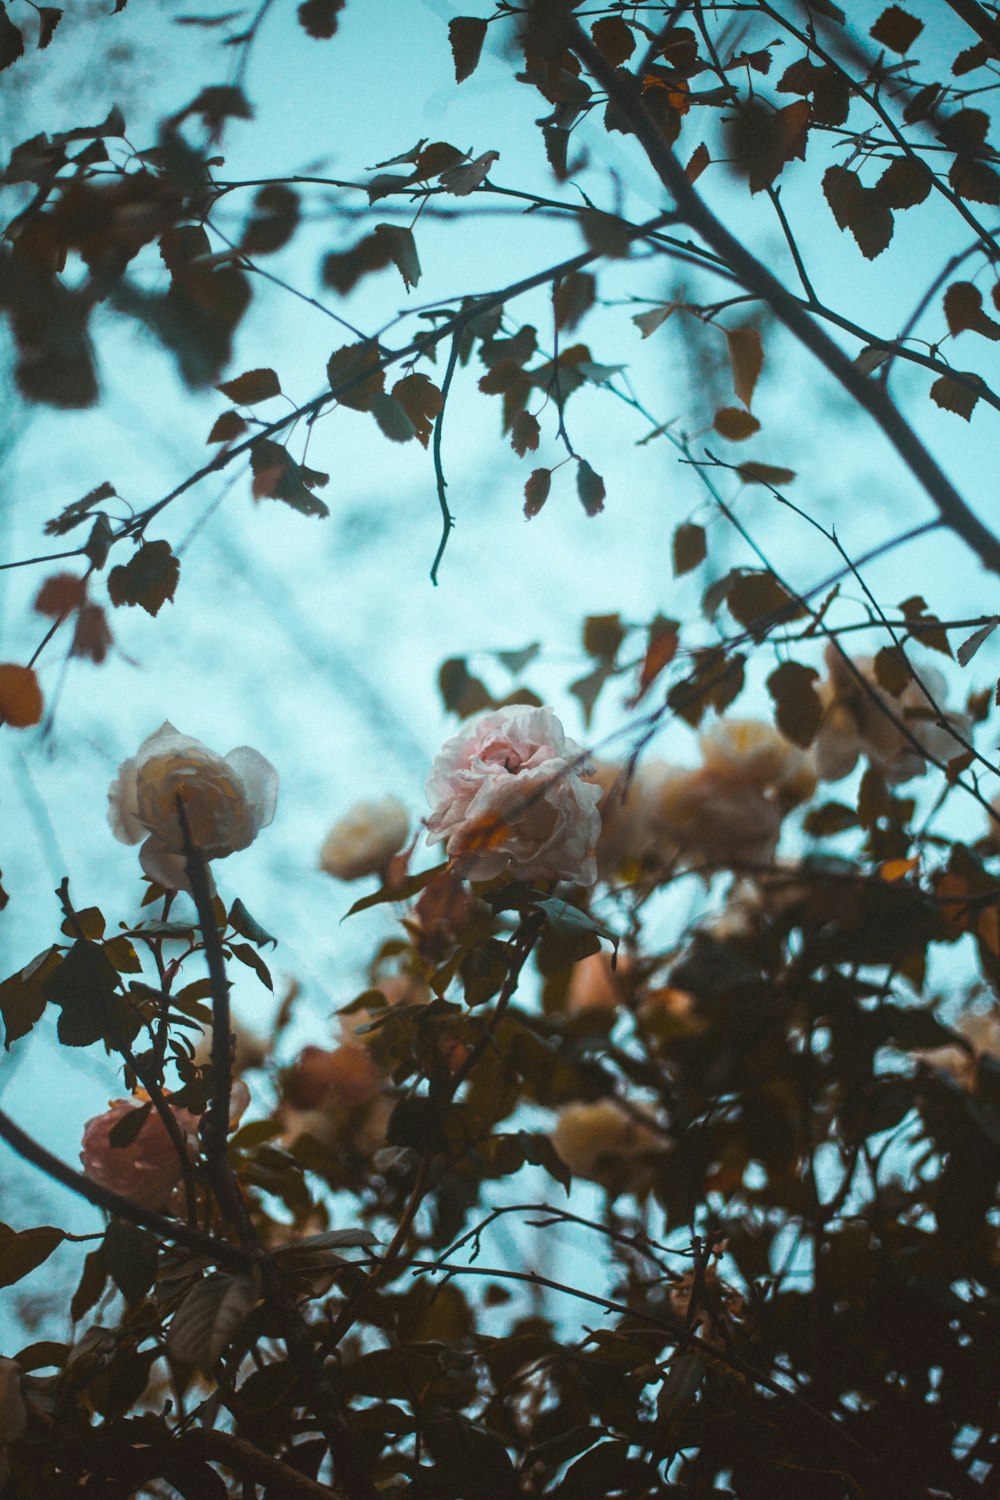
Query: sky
{"x":318,"y":642}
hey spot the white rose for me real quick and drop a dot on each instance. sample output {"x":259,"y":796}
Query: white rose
{"x":227,"y":800}
{"x":364,"y":840}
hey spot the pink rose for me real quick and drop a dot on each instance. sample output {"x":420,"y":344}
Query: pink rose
{"x":508,"y":793}
{"x":227,"y":801}
{"x":146,"y":1170}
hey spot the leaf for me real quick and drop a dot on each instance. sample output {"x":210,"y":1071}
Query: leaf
{"x":209,"y":1318}
{"x":689,"y":547}
{"x":319,"y":17}
{"x":22,"y":996}
{"x":91,"y":1285}
{"x":734,"y":424}
{"x":354,"y":374}
{"x":746,"y":355}
{"x":572,"y":296}
{"x":752,"y":472}
{"x":49,"y":17}
{"x":905,"y":182}
{"x":829,"y":818}
{"x":277,"y":476}
{"x":401,"y":248}
{"x":963,"y":309}
{"x":466,"y":35}
{"x":971,"y":645}
{"x":661,"y":649}
{"x":536,"y":491}
{"x":953,"y":395}
{"x":516,"y":661}
{"x":247,"y":926}
{"x":130,"y":1258}
{"x":92,"y":634}
{"x":392,"y":418}
{"x":587,"y":690}
{"x":274,"y":218}
{"x":603,"y":635}
{"x":400,"y":890}
{"x":253,"y":960}
{"x":649,"y":322}
{"x":896,"y":29}
{"x":20,"y":696}
{"x":251,"y":387}
{"x":462,"y":180}
{"x":972,"y":57}
{"x":11,"y":40}
{"x":422,"y":402}
{"x":85,"y":987}
{"x":60,"y":595}
{"x":524,"y":433}
{"x":798,"y":706}
{"x":79,"y":511}
{"x":614,"y":38}
{"x":462,"y":693}
{"x":862,"y":210}
{"x":148,"y":579}
{"x":590,"y":488}
{"x":975,"y":180}
{"x":22,"y":1252}
{"x":871,"y":357}
{"x":757,"y":600}
{"x":228,"y":426}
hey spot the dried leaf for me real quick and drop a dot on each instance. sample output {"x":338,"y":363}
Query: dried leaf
{"x":354,"y":374}
{"x":972,"y":643}
{"x":614,"y":38}
{"x":734,"y":424}
{"x":798,"y":707}
{"x":689,"y":547}
{"x":228,"y":426}
{"x":319,"y":17}
{"x":896,"y":29}
{"x":60,"y":595}
{"x":864,"y":211}
{"x":661,"y":649}
{"x":466,"y":35}
{"x":401,"y":248}
{"x":11,"y":40}
{"x":953,"y":395}
{"x":524,"y":433}
{"x":21,"y":1252}
{"x":49,"y":17}
{"x":649,"y":322}
{"x":746,"y":355}
{"x":963,"y":309}
{"x":148,"y":579}
{"x":250,"y":388}
{"x":92,"y":636}
{"x":536,"y":491}
{"x":905,"y":182}
{"x":462,"y":180}
{"x":572,"y":296}
{"x":274,"y":218}
{"x":20,"y":696}
{"x":698,"y":162}
{"x":752,"y":472}
{"x":277,"y":476}
{"x":392,"y":418}
{"x":422,"y":401}
{"x":590,"y":488}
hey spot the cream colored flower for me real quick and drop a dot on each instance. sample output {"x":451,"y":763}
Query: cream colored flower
{"x":365,"y":839}
{"x":607,"y":1143}
{"x":895,"y":733}
{"x":754,"y":753}
{"x":227,"y":800}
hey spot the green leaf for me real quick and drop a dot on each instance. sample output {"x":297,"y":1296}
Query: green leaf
{"x":21,"y":1252}
{"x":247,"y":926}
{"x":249,"y":956}
{"x":85,"y":987}
{"x":130,"y":1257}
{"x":22,"y":996}
{"x":399,"y":892}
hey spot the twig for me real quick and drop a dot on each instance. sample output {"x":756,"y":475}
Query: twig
{"x":447,"y":519}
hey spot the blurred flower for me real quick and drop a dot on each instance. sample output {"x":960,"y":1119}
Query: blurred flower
{"x":860,"y":718}
{"x":753,"y":753}
{"x":249,"y":1050}
{"x":365,"y":839}
{"x":981,"y":1029}
{"x":147,"y":1169}
{"x":346,"y":1076}
{"x":627,"y":837}
{"x":607,"y":1143}
{"x":507,"y":793}
{"x":594,"y":985}
{"x":226,"y":801}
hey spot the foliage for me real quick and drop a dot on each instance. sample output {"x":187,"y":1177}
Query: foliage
{"x":776,"y":1137}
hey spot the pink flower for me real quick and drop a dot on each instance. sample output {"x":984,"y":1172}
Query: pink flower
{"x":146,"y":1170}
{"x":508,"y":793}
{"x":226,"y":800}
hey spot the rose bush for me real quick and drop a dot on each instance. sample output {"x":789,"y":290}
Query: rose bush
{"x":508,"y":793}
{"x":227,"y":801}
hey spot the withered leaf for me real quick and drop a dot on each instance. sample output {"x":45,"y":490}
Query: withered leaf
{"x":354,"y":374}
{"x":148,"y":579}
{"x":401,"y":248}
{"x":972,"y":643}
{"x":864,"y":211}
{"x":228,"y":426}
{"x":572,"y":296}
{"x":590,"y":488}
{"x":49,"y":17}
{"x":746,"y":355}
{"x":892,"y":670}
{"x":392,"y":418}
{"x":896,"y":29}
{"x":251,"y":387}
{"x":734,"y":424}
{"x":752,"y":472}
{"x":905,"y":182}
{"x":536,"y":491}
{"x":274,"y":218}
{"x":92,"y":636}
{"x":60,"y":594}
{"x":963,"y":309}
{"x":277,"y":476}
{"x":319,"y":17}
{"x":614,"y":38}
{"x":602,"y":636}
{"x":661,"y":648}
{"x":954,"y":395}
{"x":11,"y":40}
{"x":524,"y":433}
{"x":466,"y":35}
{"x":422,"y":401}
{"x":20,"y":696}
{"x":689,"y":547}
{"x":797,"y":705}
{"x":756,"y":599}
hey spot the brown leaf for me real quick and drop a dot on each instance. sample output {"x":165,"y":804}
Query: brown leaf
{"x":975,"y":180}
{"x":700,"y":159}
{"x":963,"y":308}
{"x":602,"y":636}
{"x":227,"y":426}
{"x":11,"y":40}
{"x":536,"y":491}
{"x":92,"y":637}
{"x":972,"y":57}
{"x":524,"y":433}
{"x":343,"y":269}
{"x":392,"y":418}
{"x":955,"y":396}
{"x":797,"y":705}
{"x":354,"y":375}
{"x":757,"y":599}
{"x":689,"y":547}
{"x":752,"y":472}
{"x":401,"y":248}
{"x":274,"y":218}
{"x":734,"y":424}
{"x":49,"y":17}
{"x":466,"y":35}
{"x":862,"y":210}
{"x":762,"y":141}
{"x":613,"y":37}
{"x":572,"y":296}
{"x":251,"y":387}
{"x":277,"y":476}
{"x":892,"y":670}
{"x":20,"y":696}
{"x":422,"y":401}
{"x":896,"y":29}
{"x":746,"y":355}
{"x":905,"y":182}
{"x":661,"y":649}
{"x":319,"y":17}
{"x":148,"y":579}
{"x":60,"y":594}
